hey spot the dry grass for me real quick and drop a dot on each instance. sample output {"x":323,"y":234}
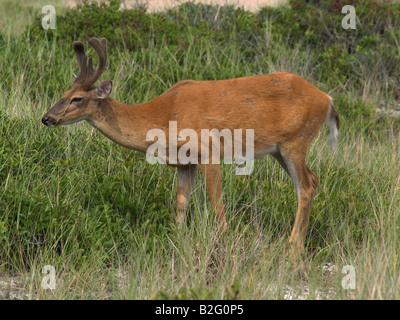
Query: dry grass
{"x":161,"y":5}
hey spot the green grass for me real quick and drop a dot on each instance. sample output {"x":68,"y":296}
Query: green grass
{"x":104,"y":218}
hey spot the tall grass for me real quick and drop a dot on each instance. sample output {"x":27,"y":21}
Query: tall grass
{"x":104,"y":218}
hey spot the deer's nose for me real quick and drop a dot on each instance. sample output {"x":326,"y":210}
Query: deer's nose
{"x":45,"y":120}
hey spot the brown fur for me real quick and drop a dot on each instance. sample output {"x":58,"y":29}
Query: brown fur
{"x":285,"y":111}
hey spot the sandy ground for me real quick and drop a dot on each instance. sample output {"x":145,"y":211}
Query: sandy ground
{"x":19,"y":287}
{"x":161,"y":5}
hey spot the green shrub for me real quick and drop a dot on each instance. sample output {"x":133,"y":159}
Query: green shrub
{"x":311,"y":25}
{"x":341,"y":55}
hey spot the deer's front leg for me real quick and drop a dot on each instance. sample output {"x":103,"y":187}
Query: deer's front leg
{"x":186,"y":176}
{"x":212,"y":173}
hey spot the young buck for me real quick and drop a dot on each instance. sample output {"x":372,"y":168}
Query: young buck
{"x":284,"y":110}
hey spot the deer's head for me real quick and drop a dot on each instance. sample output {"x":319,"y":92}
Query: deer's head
{"x":83,"y":99}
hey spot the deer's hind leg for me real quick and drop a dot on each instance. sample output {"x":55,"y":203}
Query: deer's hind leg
{"x":293,"y":157}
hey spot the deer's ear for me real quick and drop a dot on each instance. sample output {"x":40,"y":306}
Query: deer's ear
{"x":104,"y":89}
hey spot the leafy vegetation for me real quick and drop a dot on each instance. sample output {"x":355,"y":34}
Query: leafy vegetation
{"x":341,"y":55}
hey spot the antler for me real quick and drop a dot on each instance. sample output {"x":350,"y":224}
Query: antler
{"x":87,"y":76}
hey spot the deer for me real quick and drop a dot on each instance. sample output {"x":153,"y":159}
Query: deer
{"x":284,"y":111}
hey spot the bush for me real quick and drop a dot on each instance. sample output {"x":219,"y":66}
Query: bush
{"x":372,"y":50}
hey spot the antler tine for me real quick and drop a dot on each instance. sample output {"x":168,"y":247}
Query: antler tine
{"x":101,"y":48}
{"x":79,"y":49}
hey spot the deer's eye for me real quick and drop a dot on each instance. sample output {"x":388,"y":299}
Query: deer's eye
{"x":76,"y":99}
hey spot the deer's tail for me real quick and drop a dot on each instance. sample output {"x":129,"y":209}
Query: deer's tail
{"x":332,"y":120}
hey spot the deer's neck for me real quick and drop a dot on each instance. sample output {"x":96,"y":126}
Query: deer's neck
{"x":126,"y":125}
